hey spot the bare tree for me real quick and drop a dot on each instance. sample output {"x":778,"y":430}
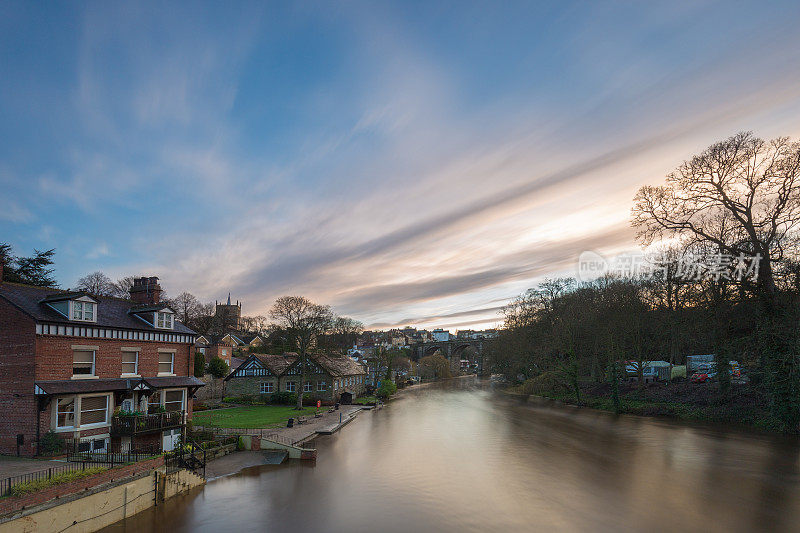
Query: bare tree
{"x":742,"y":195}
{"x":96,"y":283}
{"x":186,"y":305}
{"x":307,"y":321}
{"x":122,"y":287}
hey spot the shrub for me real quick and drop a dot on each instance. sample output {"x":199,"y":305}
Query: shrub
{"x":27,"y":487}
{"x":284,"y":398}
{"x":386,"y":389}
{"x":199,"y":365}
{"x":51,"y":444}
{"x":217,"y":367}
{"x":547,"y":382}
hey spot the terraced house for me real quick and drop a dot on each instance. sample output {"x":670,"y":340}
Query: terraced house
{"x":93,"y":369}
{"x":329,"y":378}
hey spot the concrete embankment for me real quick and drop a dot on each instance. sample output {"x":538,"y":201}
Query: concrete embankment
{"x":96,"y":502}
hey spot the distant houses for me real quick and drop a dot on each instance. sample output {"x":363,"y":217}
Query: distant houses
{"x":329,"y":378}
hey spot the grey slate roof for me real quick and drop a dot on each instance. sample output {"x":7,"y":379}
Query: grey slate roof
{"x":111,"y":312}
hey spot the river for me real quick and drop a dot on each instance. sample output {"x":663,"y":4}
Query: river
{"x":460,"y":458}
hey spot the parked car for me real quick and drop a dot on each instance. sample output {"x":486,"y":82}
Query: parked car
{"x":708,"y":372}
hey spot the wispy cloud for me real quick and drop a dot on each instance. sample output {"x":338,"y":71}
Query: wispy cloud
{"x":404,"y":169}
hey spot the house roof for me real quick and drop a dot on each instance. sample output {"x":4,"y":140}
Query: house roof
{"x":111,"y":312}
{"x":80,"y":386}
{"x":338,"y":365}
{"x":335,"y":365}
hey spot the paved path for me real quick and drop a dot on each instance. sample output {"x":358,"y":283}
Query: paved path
{"x":16,"y":466}
{"x":301,"y":432}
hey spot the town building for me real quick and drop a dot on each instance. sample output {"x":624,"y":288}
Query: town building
{"x":95,"y":370}
{"x":440,"y":335}
{"x":227,"y":346}
{"x":329,"y":378}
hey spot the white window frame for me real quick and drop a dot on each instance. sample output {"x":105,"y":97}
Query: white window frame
{"x":172,"y":362}
{"x":94,"y":350}
{"x":77,"y":398}
{"x":264,"y":385}
{"x":135,"y":372}
{"x":78,"y":311}
{"x":322,"y":386}
{"x":292,"y":388}
{"x":308,"y":387}
{"x":165,"y":320}
{"x":164,"y":399}
{"x":94,"y":424}
{"x":74,"y":414}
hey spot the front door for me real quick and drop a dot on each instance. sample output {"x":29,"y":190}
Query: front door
{"x":172,"y":438}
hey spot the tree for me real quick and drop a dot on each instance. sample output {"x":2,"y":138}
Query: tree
{"x":186,"y":306}
{"x":122,"y":287}
{"x":31,"y":270}
{"x":434,"y":366}
{"x":741,"y":195}
{"x":307,"y":321}
{"x":96,"y":283}
{"x":386,"y":389}
{"x":199,"y":364}
{"x":344,"y":332}
{"x":217,"y":367}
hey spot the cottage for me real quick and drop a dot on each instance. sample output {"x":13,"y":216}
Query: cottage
{"x":83,"y":365}
{"x":329,"y":378}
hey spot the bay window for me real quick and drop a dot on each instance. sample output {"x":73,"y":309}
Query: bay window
{"x":94,"y":410}
{"x":173,"y":400}
{"x":65,"y":417}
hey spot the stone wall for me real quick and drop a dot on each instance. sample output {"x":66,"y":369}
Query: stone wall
{"x":214,"y":389}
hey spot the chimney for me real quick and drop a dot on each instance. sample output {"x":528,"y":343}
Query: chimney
{"x":146,"y":290}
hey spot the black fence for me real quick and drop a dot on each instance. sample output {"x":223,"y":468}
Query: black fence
{"x":7,"y":483}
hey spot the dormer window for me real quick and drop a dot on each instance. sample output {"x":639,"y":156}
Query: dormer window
{"x":164,"y":320}
{"x":84,"y":311}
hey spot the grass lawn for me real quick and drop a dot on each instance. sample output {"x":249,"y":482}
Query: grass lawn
{"x":256,"y":416}
{"x":364,"y":400}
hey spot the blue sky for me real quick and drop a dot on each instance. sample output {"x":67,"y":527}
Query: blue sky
{"x":405,"y":162}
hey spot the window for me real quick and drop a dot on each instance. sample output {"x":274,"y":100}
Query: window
{"x":173,"y":400}
{"x":165,"y":361}
{"x":322,"y":386}
{"x":94,"y":410}
{"x":130,"y":362}
{"x":83,"y":311}
{"x":291,"y":386}
{"x":266,"y":387}
{"x":224,"y":352}
{"x":83,"y":363}
{"x":66,"y":413}
{"x":307,"y":386}
{"x":164,"y":320}
{"x":154,"y":403}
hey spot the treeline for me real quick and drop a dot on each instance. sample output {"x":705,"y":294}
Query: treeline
{"x":726,"y":281}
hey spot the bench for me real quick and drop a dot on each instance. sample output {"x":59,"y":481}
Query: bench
{"x":302,"y":419}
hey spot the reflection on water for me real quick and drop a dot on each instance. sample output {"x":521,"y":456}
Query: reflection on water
{"x":458,"y":458}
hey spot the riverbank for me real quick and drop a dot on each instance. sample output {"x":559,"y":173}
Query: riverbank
{"x":694,"y":402}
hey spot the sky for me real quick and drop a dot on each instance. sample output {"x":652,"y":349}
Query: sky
{"x":409,"y":163}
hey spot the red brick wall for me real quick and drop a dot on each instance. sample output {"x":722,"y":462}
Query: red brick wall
{"x":54,"y":356}
{"x":10,"y":505}
{"x":17,"y":401}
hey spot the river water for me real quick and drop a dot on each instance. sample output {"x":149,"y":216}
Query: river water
{"x":461,"y":458}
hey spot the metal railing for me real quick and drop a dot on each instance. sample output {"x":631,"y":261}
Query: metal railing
{"x":113,"y":455}
{"x":263,"y":433}
{"x":138,"y":424}
{"x":189,"y":456}
{"x":7,"y":483}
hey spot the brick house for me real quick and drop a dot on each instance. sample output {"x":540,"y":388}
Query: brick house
{"x":224,"y":346}
{"x":84,"y":365}
{"x":329,"y":378}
